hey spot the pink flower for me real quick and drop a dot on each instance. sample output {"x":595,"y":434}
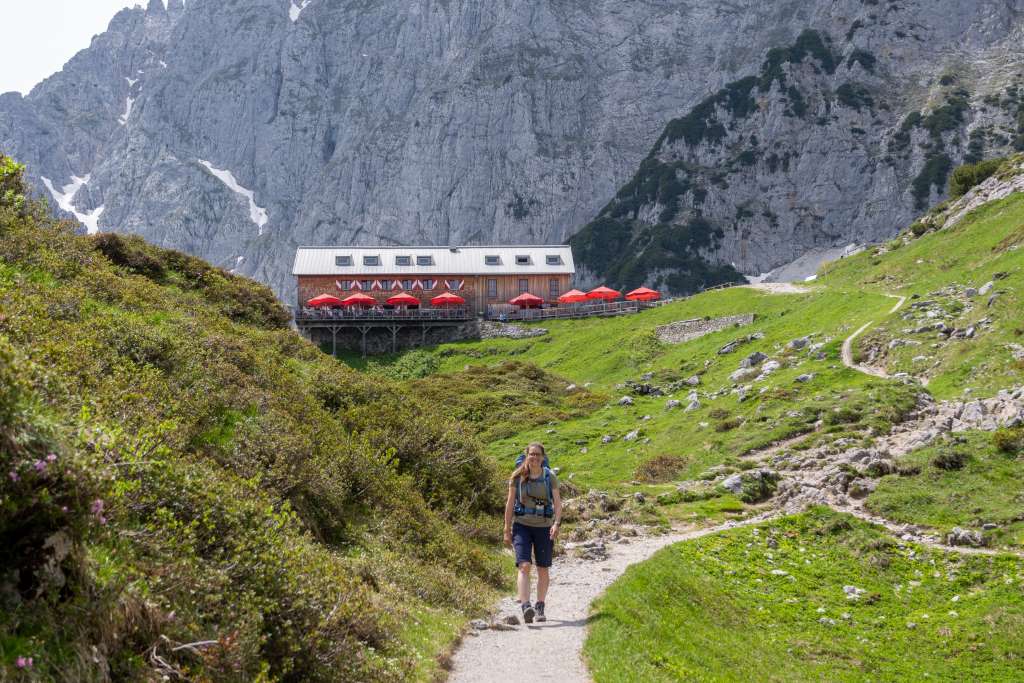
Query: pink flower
{"x":13,"y":475}
{"x":52,"y":457}
{"x":97,"y":507}
{"x":23,"y":662}
{"x":63,"y":508}
{"x":40,"y":466}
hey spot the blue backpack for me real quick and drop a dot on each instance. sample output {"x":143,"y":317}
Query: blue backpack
{"x":549,"y":507}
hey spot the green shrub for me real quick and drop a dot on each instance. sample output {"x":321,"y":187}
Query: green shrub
{"x":1009,"y":440}
{"x":969,"y":176}
{"x":951,"y":458}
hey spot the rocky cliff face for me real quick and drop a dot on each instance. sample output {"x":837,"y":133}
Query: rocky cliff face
{"x":239,"y":129}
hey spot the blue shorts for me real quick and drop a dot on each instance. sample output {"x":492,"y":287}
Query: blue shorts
{"x":530,"y":542}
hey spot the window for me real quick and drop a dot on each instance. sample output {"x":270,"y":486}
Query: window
{"x":553,"y":260}
{"x":429,"y":284}
{"x":492,"y":288}
{"x":492,"y":260}
{"x":385,"y":284}
{"x":553,"y":290}
{"x":342,"y":261}
{"x":403,"y":260}
{"x":524,"y":285}
{"x":371,"y":260}
{"x":424,"y":260}
{"x":522,"y":260}
{"x":365,"y":285}
{"x":406,"y":284}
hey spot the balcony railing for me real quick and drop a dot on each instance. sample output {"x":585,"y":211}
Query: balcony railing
{"x":355,"y":314}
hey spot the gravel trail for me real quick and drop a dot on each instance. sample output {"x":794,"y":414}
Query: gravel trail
{"x":554,"y":649}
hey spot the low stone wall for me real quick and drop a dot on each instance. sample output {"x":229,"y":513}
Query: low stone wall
{"x":490,"y":329}
{"x":688,"y":330}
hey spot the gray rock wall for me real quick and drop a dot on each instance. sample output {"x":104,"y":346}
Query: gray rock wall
{"x":457,"y":121}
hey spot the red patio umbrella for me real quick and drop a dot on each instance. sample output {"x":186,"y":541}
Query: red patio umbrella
{"x":573,"y":296}
{"x":358,"y":300}
{"x":324,"y":300}
{"x":605,"y":293}
{"x":527,"y":300}
{"x":643,"y":294}
{"x":447,"y":299}
{"x":404,"y":299}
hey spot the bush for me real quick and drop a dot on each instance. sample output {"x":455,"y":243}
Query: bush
{"x":660,"y":469}
{"x":950,"y":458}
{"x":728,"y":425}
{"x":968,"y":176}
{"x":1009,"y":441}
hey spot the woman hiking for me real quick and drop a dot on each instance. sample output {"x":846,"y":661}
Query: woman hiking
{"x":533,"y":514}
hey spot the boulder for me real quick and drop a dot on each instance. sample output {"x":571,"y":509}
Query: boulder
{"x":693,"y":381}
{"x":626,"y":401}
{"x":804,"y":378}
{"x":694,"y":405}
{"x":607,"y":438}
{"x":733,"y":484}
{"x":970,"y":292}
{"x":729,"y":348}
{"x":632,"y":436}
{"x":986,"y":288}
{"x":669,"y":405}
{"x":753,"y":359}
{"x":742,"y":374}
{"x":797,"y":344}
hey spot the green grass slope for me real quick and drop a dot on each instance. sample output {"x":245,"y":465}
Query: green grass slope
{"x":771,"y":603}
{"x":189,"y":490}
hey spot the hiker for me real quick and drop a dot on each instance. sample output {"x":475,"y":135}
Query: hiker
{"x":533,"y":514}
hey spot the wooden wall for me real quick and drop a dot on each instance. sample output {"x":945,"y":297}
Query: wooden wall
{"x":475,"y":291}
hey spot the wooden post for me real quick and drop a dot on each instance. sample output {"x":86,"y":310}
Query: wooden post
{"x":334,"y":341}
{"x":394,"y":337}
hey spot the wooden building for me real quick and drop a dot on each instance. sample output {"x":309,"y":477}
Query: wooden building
{"x":483,"y":276}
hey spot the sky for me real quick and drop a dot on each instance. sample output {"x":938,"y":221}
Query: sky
{"x":45,"y":34}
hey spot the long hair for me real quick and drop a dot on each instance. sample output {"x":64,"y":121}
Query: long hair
{"x":523,"y":471}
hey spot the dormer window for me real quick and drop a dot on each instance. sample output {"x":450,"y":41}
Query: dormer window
{"x":403,"y":260}
{"x":553,"y":260}
{"x":492,"y":260}
{"x":424,"y":260}
{"x":522,"y":260}
{"x":343,"y":261}
{"x":371,"y":260}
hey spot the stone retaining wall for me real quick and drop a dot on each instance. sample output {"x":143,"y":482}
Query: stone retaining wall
{"x":687,"y":330}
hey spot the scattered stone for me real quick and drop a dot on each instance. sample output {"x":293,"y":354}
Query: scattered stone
{"x":968,"y":537}
{"x":583,"y":451}
{"x":626,"y":401}
{"x":510,"y":619}
{"x":971,"y":292}
{"x":733,"y":484}
{"x":639,"y":497}
{"x":852,"y":592}
{"x":607,"y":438}
{"x":571,"y":387}
{"x":804,"y":378}
{"x":986,"y":288}
{"x":797,"y":344}
{"x":911,"y":625}
{"x":694,"y":405}
{"x":827,"y":621}
{"x":645,"y":418}
{"x":632,"y":436}
{"x":989,"y":526}
{"x":479,"y":624}
{"x":779,"y":572}
{"x":742,"y":374}
{"x":669,"y":405}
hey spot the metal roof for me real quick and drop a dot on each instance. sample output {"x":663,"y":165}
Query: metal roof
{"x":444,"y":260}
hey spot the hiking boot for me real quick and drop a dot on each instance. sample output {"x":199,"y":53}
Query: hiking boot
{"x":528,"y":613}
{"x":540,"y":612}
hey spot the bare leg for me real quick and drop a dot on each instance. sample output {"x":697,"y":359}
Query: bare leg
{"x":523,"y":582}
{"x":543,"y":578}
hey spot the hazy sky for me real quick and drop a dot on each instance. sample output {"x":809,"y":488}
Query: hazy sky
{"x":40,"y":36}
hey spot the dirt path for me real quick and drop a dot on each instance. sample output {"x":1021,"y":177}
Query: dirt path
{"x":847,"y":351}
{"x":554,"y":649}
{"x":778,"y":287}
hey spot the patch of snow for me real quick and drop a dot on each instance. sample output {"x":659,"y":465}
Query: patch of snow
{"x":295,"y":10}
{"x":257,"y":215}
{"x":65,"y":200}
{"x":163,"y":64}
{"x":238,"y":264}
{"x":810,"y":278}
{"x":131,"y":81}
{"x":758,"y":279}
{"x":127,"y":111}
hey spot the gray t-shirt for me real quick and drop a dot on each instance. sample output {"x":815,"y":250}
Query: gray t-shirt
{"x":535,"y":495}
